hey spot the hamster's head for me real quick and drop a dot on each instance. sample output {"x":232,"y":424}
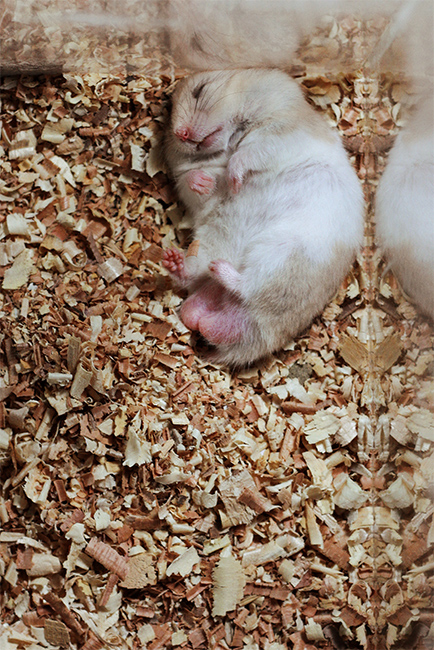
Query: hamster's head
{"x":204,"y":114}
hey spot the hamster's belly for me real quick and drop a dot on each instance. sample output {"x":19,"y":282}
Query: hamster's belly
{"x":257,"y":229}
{"x":252,"y":231}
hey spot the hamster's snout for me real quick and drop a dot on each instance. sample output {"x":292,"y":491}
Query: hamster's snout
{"x":198,"y":138}
{"x":210,"y":139}
{"x":183,"y":134}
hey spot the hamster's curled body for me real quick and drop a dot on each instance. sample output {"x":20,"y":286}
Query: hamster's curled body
{"x":275,"y":204}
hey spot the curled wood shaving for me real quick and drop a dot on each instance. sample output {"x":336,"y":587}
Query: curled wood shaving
{"x":81,"y":381}
{"x":59,"y":378}
{"x":67,"y":617}
{"x":348,"y":494}
{"x":108,"y":557}
{"x":110,"y":586}
{"x":400,"y":494}
{"x":111,"y":269}
{"x":313,"y":529}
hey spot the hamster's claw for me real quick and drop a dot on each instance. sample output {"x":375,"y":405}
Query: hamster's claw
{"x":235,"y":184}
{"x":200,"y":182}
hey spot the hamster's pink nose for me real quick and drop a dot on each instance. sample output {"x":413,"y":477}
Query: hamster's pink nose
{"x":183,"y":133}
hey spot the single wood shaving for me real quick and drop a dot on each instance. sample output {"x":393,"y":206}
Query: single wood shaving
{"x":108,"y":557}
{"x":56,"y":633}
{"x":229,"y":582}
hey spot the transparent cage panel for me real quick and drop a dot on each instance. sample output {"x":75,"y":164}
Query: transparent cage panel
{"x":103,"y":36}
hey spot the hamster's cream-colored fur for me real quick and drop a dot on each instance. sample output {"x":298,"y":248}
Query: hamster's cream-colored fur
{"x":275,"y":204}
{"x":405,"y":207}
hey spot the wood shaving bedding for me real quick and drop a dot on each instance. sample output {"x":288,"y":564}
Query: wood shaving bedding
{"x":149,"y":498}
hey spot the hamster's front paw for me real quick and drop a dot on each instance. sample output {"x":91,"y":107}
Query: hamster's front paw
{"x":173,"y":260}
{"x":200,"y":182}
{"x":236,"y":172}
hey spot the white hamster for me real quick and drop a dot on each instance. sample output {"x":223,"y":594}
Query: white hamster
{"x":275,"y":204}
{"x":405,"y":207}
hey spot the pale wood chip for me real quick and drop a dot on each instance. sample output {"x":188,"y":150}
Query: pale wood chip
{"x":238,"y":510}
{"x":18,"y":274}
{"x":183,"y":565}
{"x":313,"y":529}
{"x":141,"y":572}
{"x":228,"y":585}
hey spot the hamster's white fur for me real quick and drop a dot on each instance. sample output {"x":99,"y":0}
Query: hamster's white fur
{"x":405,"y":207}
{"x":275,"y":203}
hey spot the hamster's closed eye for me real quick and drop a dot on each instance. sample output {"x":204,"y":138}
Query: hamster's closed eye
{"x":197,"y":91}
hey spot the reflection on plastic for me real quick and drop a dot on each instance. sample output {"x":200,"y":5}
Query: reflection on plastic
{"x":107,"y":35}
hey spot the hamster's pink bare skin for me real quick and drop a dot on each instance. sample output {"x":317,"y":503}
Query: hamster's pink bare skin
{"x":173,"y":261}
{"x":275,"y":204}
{"x":216,"y":314}
{"x":200,"y":182}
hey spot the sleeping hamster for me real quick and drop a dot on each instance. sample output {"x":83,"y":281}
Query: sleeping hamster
{"x":275,"y":204}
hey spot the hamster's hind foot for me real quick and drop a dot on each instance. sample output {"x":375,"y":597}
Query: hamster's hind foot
{"x":226,"y":274}
{"x":217,"y":315}
{"x":224,"y":328}
{"x":173,"y":260}
{"x":195,"y":307}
